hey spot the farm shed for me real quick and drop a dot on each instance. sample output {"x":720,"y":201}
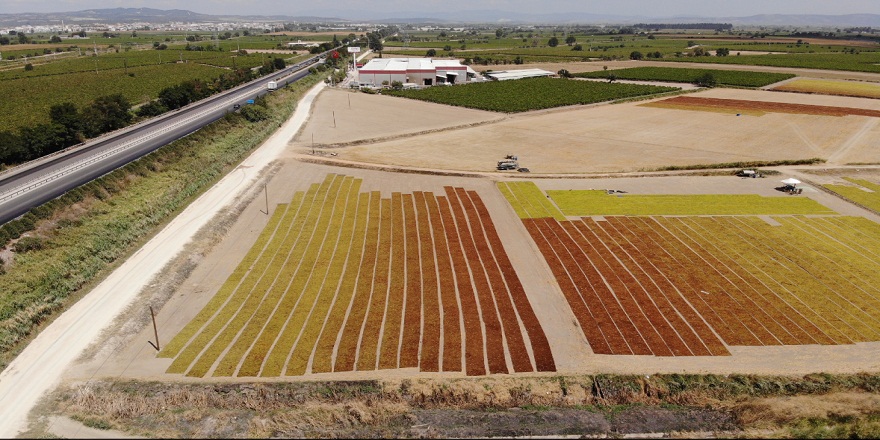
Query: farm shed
{"x":421,"y":71}
{"x":503,"y":75}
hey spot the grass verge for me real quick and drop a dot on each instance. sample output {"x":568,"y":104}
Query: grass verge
{"x":88,"y":231}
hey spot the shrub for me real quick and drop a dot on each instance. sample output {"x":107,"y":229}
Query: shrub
{"x":25,"y":244}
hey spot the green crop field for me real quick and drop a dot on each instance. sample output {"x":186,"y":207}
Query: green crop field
{"x":586,"y":202}
{"x":723,"y":77}
{"x":859,"y":62}
{"x":529,"y":94}
{"x":863,"y":192}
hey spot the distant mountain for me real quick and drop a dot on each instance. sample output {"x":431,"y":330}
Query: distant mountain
{"x":149,"y":15}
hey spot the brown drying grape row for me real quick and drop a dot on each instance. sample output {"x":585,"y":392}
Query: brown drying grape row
{"x":513,"y":337}
{"x":393,"y":321}
{"x":473,"y":333}
{"x":540,"y":346}
{"x":668,"y":321}
{"x":448,"y":299}
{"x":429,"y":359}
{"x":491,"y":322}
{"x":598,"y":320}
{"x":652,"y":261}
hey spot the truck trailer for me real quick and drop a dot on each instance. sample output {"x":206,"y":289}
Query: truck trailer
{"x":272,"y":86}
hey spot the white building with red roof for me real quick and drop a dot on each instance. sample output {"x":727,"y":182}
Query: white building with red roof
{"x":419,"y":71}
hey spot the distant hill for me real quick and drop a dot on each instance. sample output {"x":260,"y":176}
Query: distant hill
{"x":150,"y":15}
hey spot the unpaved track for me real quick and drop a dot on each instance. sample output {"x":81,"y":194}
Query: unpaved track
{"x":40,"y":366}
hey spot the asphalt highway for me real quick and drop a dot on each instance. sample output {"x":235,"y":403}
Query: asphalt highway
{"x":44,"y":179}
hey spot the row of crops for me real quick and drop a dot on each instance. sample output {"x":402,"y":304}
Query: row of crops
{"x":342,"y":280}
{"x":529,"y":94}
{"x":680,"y":286}
{"x":722,"y":77}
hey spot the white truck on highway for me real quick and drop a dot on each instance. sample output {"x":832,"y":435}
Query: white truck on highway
{"x":272,"y":86}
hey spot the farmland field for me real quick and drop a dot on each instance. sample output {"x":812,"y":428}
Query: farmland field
{"x":695,"y":285}
{"x":343,"y":280}
{"x":529,"y":94}
{"x":757,"y":107}
{"x":32,"y":97}
{"x":828,"y":87}
{"x":583,"y":203}
{"x":723,"y":77}
{"x":863,"y":192}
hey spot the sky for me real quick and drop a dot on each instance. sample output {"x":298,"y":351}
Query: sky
{"x":653,"y":8}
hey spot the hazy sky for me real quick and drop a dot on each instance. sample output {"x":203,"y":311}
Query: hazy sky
{"x":655,"y":8}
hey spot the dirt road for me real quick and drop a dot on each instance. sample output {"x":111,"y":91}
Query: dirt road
{"x":40,"y":366}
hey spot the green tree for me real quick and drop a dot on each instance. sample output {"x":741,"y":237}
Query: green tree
{"x":374,"y":42}
{"x":150,"y":109}
{"x":553,"y":42}
{"x":577,"y":47}
{"x":11,"y":148}
{"x":55,"y":39}
{"x":706,"y":80}
{"x":564,"y":73}
{"x":431,"y":53}
{"x":499,"y":33}
{"x":635,"y":55}
{"x":722,"y":52}
{"x":67,"y":116}
{"x":570,"y":39}
{"x":106,"y":113}
{"x":255,"y":113}
{"x":396,"y":85}
{"x":28,"y":67}
{"x":279,"y":63}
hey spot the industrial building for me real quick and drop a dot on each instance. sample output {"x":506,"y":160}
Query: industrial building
{"x":503,"y":75}
{"x":415,"y":71}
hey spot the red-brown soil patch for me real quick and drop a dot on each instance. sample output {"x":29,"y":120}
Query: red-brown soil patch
{"x":776,"y":107}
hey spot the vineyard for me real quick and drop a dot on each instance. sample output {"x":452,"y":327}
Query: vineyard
{"x":32,"y":97}
{"x":341,"y":280}
{"x":829,"y":87}
{"x":722,"y":77}
{"x":757,"y":107}
{"x":857,"y":192}
{"x":695,"y":285}
{"x":858,"y":62}
{"x":529,"y":94}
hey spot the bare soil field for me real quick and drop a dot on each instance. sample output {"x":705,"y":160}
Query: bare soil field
{"x":458,"y":148}
{"x":590,"y":139}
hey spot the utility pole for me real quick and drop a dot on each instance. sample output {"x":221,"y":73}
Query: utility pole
{"x":266,"y":191}
{"x":155,"y":330}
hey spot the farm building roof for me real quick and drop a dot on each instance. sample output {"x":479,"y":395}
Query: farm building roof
{"x":502,"y":75}
{"x":379,"y":65}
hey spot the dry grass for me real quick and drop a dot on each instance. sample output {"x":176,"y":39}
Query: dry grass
{"x":391,"y":408}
